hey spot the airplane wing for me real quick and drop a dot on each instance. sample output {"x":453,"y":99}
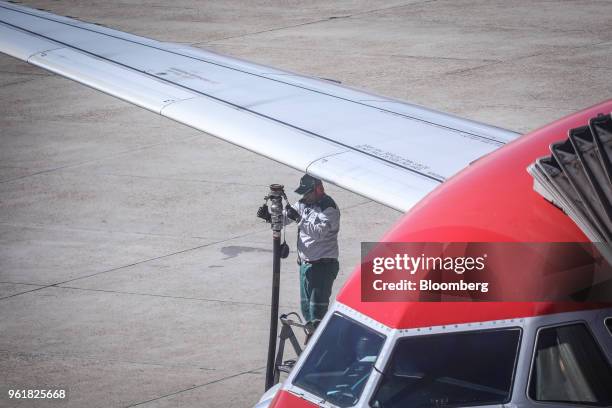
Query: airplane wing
{"x":384,"y":149}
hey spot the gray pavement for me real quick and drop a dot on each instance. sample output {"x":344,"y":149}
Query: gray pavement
{"x":132,"y":268}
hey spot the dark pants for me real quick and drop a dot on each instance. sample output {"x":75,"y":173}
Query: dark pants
{"x":316,"y":282}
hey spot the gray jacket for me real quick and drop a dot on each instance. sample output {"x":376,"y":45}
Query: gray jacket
{"x":318,"y":229}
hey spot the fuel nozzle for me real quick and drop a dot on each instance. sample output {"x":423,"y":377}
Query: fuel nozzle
{"x":276,"y":196}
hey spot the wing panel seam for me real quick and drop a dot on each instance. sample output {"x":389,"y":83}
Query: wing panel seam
{"x":325,"y":157}
{"x":41,"y":53}
{"x":161,"y":111}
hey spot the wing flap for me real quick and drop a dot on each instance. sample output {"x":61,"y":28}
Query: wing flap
{"x":109,"y":78}
{"x":253,"y":132}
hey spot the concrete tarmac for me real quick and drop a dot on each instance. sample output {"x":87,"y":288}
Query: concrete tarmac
{"x":133,"y":271}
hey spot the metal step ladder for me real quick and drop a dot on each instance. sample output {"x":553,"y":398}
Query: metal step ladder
{"x":287,"y":333}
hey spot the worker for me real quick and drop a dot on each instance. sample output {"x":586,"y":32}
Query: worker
{"x":318,"y":220}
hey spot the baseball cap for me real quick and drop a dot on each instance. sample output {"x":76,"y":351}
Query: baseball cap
{"x":307,"y":184}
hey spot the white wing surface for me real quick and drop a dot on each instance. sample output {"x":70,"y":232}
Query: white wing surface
{"x":390,"y":151}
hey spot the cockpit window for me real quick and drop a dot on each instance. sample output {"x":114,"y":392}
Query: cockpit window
{"x":609,"y":324}
{"x":570,"y":367}
{"x":454,"y":369}
{"x":340,"y":363}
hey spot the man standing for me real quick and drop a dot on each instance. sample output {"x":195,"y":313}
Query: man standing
{"x":318,"y":221}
